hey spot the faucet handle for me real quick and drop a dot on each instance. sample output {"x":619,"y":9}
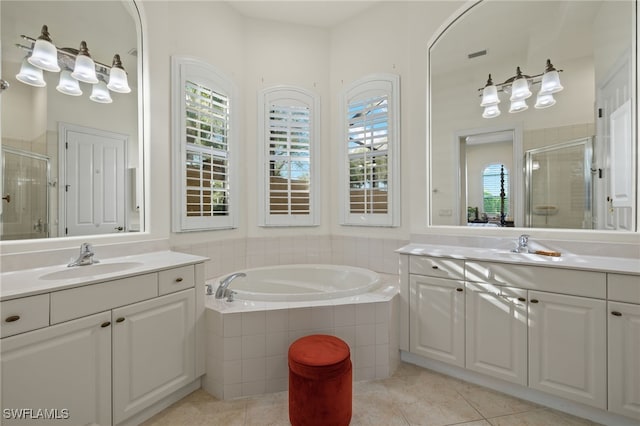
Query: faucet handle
{"x":523,"y":239}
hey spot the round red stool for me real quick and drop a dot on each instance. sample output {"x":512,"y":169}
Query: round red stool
{"x":319,"y":381}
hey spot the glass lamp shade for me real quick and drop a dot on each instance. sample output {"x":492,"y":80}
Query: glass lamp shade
{"x":544,"y":100}
{"x":68,"y":85}
{"x":550,"y":82}
{"x":489,"y":96}
{"x":85,"y":70}
{"x":518,"y":106}
{"x":100,"y":93}
{"x":44,"y":56}
{"x":118,"y":81}
{"x":491,"y":111}
{"x":30,"y":75}
{"x":520,"y":89}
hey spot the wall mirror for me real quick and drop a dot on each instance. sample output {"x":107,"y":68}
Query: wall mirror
{"x":71,"y":148}
{"x":487,"y":163}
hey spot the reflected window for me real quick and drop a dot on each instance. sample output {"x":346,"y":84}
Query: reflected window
{"x":495,"y":188}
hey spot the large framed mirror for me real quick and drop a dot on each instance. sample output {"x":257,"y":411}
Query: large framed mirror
{"x":71,"y":145}
{"x":487,"y":162}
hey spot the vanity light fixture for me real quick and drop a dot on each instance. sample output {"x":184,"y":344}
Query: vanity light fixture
{"x":43,"y":55}
{"x":519,"y":89}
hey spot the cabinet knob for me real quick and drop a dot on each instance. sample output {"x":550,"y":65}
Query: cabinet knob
{"x":434,"y":267}
{"x":179,"y":279}
{"x":120,"y":319}
{"x":105,"y":324}
{"x":534,"y":300}
{"x":12,"y":318}
{"x":522,"y":299}
{"x":459,"y":289}
{"x":616,"y":313}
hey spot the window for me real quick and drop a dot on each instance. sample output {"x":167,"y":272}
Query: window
{"x":203,"y":147}
{"x":371,"y":140}
{"x":495,"y":186}
{"x":288,"y":135}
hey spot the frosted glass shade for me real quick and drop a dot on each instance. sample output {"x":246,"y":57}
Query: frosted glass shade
{"x":518,"y":106}
{"x":491,"y":111}
{"x":489,"y":96}
{"x":118,"y":81}
{"x":100,"y":93}
{"x":520,"y":89}
{"x":68,"y":85}
{"x":551,"y":82}
{"x":85,"y":70}
{"x":44,"y":56}
{"x":30,"y":75}
{"x":544,"y":100}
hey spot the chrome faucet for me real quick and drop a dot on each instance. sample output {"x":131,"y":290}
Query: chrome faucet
{"x":85,"y":257}
{"x":523,"y":247}
{"x":221,"y":291}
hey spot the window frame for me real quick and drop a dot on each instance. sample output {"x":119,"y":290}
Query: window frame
{"x":371,"y":86}
{"x":183,"y":69}
{"x":507,"y":188}
{"x":288,"y":96}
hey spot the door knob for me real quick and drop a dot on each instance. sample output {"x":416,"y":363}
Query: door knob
{"x":7,"y":198}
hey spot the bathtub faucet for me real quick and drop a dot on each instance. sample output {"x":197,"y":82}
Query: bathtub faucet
{"x":221,"y":291}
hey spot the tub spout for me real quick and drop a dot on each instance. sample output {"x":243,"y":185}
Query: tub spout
{"x":221,"y":291}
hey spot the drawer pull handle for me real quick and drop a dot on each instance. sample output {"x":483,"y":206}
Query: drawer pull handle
{"x":179,"y":279}
{"x":534,"y":300}
{"x":12,"y":318}
{"x":522,"y":299}
{"x":434,"y":267}
{"x":105,"y":324}
{"x":120,"y":319}
{"x":459,"y":289}
{"x":616,"y":313}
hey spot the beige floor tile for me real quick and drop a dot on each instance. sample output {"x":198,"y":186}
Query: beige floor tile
{"x":376,"y":408}
{"x":447,"y":412}
{"x":491,"y":403}
{"x":540,"y":417}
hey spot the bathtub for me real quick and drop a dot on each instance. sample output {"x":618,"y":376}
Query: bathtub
{"x":305,"y":282}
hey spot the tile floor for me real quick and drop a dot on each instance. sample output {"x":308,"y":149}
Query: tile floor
{"x":413,"y":396}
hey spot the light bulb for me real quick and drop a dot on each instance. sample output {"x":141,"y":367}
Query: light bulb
{"x":68,"y":85}
{"x":100,"y":93}
{"x":30,"y":75}
{"x":85,"y":68}
{"x":45,"y":54}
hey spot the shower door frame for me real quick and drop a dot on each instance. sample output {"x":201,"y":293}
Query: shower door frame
{"x":34,"y":156}
{"x":588,"y":176}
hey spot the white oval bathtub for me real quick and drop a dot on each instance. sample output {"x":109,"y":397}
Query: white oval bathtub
{"x":301,"y":282}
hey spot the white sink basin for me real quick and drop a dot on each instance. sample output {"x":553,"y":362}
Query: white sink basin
{"x":89,"y":270}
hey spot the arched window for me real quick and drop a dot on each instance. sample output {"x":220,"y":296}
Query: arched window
{"x":495,"y":188}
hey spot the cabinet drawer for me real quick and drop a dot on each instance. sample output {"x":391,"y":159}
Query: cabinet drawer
{"x":555,"y":280}
{"x":25,"y":314}
{"x":175,"y":279}
{"x":82,"y":301}
{"x":436,"y":267}
{"x":623,"y":288}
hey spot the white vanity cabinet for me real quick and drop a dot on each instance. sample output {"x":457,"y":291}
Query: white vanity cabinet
{"x":437,"y":309}
{"x":108,"y":350}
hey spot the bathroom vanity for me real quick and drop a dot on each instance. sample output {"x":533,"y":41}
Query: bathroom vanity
{"x":567,"y":326}
{"x":109,"y":343}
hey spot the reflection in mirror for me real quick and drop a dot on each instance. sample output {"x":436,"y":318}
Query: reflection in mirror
{"x":591,"y":47}
{"x":70,"y":138}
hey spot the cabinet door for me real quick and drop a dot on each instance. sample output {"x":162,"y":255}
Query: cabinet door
{"x":65,"y":369}
{"x":624,"y":359}
{"x":496,"y":332}
{"x":153,"y":351}
{"x":437,"y":318}
{"x":568,"y":347}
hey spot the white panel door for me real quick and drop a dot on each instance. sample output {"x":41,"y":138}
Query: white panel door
{"x":496,"y":331}
{"x":624,"y":359}
{"x":437,"y":318}
{"x":62,"y":367}
{"x":153,"y":351}
{"x":568,"y":347}
{"x":94,"y":181}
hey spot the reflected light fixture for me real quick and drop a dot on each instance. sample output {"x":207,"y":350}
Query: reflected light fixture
{"x":43,"y":55}
{"x":30,"y":75}
{"x":519,"y":88}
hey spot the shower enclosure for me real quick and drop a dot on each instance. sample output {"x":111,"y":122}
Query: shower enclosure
{"x":25,"y":195}
{"x":559,"y":186}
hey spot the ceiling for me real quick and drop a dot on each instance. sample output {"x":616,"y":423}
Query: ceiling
{"x":323,"y":14}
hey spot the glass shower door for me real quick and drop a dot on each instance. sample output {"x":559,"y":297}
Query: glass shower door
{"x":25,"y":195}
{"x":559,"y":190}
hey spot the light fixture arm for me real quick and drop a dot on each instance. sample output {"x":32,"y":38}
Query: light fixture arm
{"x":534,"y":79}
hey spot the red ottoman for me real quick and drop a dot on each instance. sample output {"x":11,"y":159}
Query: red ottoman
{"x":319,"y":381}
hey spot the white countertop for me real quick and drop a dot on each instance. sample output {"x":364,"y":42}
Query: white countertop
{"x":566,"y":260}
{"x":28,"y":282}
